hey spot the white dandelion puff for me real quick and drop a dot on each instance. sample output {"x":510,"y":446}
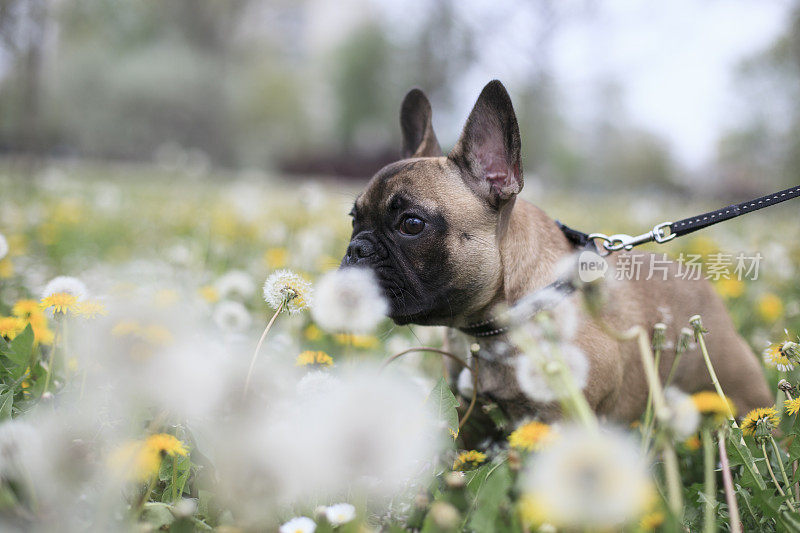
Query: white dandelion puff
{"x":66,"y":284}
{"x":232,"y":317}
{"x":287,"y":289}
{"x":316,"y":382}
{"x":535,"y":371}
{"x":3,"y":246}
{"x":236,"y":284}
{"x":340,"y":513}
{"x":300,"y":524}
{"x":589,"y":479}
{"x":684,"y":418}
{"x":349,"y":300}
{"x":465,"y":384}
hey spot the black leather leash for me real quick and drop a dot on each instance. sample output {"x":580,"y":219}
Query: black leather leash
{"x":666,"y":231}
{"x":549,"y":296}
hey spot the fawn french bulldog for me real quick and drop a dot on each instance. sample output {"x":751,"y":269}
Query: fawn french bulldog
{"x":450,"y":240}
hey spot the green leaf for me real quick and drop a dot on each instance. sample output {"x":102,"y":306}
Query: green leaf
{"x":751,"y":476}
{"x":19,"y":352}
{"x":6,"y":403}
{"x":157,"y":514}
{"x":491,"y":495}
{"x":445,"y":404}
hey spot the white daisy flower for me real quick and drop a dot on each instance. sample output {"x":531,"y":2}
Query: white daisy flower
{"x":67,"y":284}
{"x":589,"y":479}
{"x":340,"y":513}
{"x":284,"y":287}
{"x":236,"y":284}
{"x":300,"y":524}
{"x":684,"y":418}
{"x":349,"y":300}
{"x":534,"y":370}
{"x":3,"y":246}
{"x":232,"y":317}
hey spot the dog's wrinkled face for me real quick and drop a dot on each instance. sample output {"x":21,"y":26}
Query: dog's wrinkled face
{"x":428,"y":224}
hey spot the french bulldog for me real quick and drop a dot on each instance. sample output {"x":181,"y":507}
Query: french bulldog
{"x":450,"y":241}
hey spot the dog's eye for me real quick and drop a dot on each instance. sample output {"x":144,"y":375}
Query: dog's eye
{"x":411,"y":225}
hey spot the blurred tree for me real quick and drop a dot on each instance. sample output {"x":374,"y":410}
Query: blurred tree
{"x":765,"y":144}
{"x":23,"y":29}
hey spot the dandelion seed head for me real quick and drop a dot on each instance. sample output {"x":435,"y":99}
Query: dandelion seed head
{"x":232,"y":317}
{"x":3,"y":246}
{"x":684,"y":417}
{"x":284,"y":287}
{"x":349,"y":300}
{"x":532,"y":370}
{"x":235,"y":284}
{"x":65,"y":284}
{"x":589,"y":479}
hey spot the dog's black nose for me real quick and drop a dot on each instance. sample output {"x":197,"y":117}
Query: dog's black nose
{"x":358,"y":249}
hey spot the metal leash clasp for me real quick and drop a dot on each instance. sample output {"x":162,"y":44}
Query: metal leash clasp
{"x":620,"y":241}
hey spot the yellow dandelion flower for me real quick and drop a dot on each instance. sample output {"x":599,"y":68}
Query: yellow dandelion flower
{"x":166,"y":298}
{"x":730,"y":288}
{"x":471,"y":458}
{"x":276,"y":257}
{"x":42,"y":334}
{"x":365,"y":342}
{"x":693,"y":443}
{"x":209,"y":293}
{"x":135,"y":461}
{"x":90,"y":309}
{"x":11,"y":326}
{"x":531,"y":436}
{"x":61,"y":302}
{"x":166,"y":444}
{"x":710,"y":403}
{"x":792,"y":406}
{"x":123,"y":328}
{"x":651,"y":520}
{"x":156,"y":334}
{"x":765,"y":418}
{"x":774,"y":356}
{"x":770,"y":307}
{"x":312,"y":333}
{"x":6,"y":268}
{"x":26,"y":308}
{"x":530,"y":511}
{"x":318,"y":358}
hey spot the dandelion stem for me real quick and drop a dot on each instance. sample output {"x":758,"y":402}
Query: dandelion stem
{"x":425,"y":349}
{"x":698,"y":331}
{"x":783,"y":470}
{"x":174,"y":477}
{"x":772,"y":475}
{"x":710,"y":482}
{"x":786,"y":387}
{"x":679,"y":351}
{"x":674,"y":494}
{"x":258,"y":347}
{"x":649,"y":419}
{"x":727,"y":482}
{"x":146,"y":494}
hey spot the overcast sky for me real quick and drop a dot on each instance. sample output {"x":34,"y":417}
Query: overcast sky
{"x":674,"y":60}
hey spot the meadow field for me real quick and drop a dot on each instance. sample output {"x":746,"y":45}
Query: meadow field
{"x":133,"y":297}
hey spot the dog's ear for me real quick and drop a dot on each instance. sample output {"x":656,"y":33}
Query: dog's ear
{"x":488,"y":151}
{"x":416,"y":121}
